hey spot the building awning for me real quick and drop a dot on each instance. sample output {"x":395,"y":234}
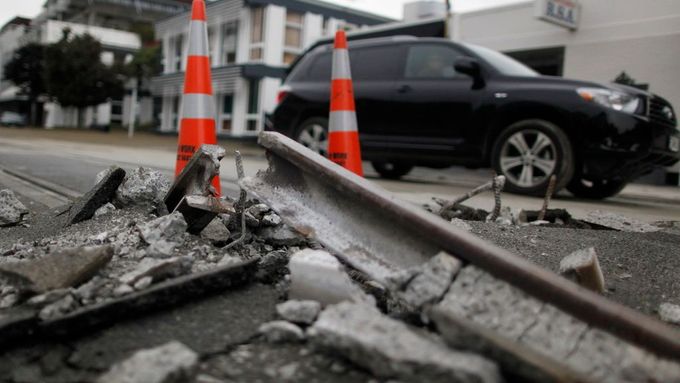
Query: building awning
{"x":224,"y":79}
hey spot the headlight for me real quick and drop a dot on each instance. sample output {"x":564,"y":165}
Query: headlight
{"x":623,"y":102}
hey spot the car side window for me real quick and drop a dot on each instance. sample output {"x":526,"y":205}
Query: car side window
{"x":375,"y":63}
{"x":368,"y":64}
{"x":431,"y":62}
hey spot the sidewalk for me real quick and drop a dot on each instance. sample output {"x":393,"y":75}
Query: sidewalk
{"x":119,"y":138}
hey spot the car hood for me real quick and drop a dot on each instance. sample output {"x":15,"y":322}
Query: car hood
{"x":562,"y":82}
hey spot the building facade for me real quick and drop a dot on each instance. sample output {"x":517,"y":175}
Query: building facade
{"x":117,"y":24}
{"x":10,"y":34}
{"x":251,"y":44}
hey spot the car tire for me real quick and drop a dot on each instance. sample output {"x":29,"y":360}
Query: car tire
{"x":391,"y":170}
{"x":528,"y":152}
{"x":601,"y":189}
{"x":313,"y":133}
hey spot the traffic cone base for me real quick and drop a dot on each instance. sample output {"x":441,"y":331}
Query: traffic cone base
{"x":340,"y":145}
{"x":343,"y":136}
{"x":197,"y":126}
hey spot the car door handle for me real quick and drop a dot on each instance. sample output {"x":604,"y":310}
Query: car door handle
{"x":404,"y":89}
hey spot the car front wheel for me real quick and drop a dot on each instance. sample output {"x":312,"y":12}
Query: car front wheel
{"x":528,"y":152}
{"x":600,"y":189}
{"x":313,"y":133}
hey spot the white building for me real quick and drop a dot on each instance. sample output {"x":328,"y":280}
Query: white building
{"x":10,"y":34}
{"x":251,"y":43}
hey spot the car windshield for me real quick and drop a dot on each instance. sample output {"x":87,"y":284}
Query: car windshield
{"x":502,"y":63}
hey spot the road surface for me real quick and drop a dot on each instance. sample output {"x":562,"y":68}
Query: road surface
{"x":74,"y":165}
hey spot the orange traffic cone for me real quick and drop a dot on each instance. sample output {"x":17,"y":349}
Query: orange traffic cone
{"x":343,"y":137}
{"x":197,"y":126}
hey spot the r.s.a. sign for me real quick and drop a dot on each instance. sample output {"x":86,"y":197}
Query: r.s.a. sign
{"x":565,"y":13}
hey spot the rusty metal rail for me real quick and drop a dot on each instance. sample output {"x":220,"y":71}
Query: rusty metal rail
{"x":377,"y":233}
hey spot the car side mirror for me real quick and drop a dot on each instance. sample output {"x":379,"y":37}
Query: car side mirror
{"x":470,"y":67}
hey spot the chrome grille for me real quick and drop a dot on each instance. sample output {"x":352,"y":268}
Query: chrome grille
{"x":658,"y":112}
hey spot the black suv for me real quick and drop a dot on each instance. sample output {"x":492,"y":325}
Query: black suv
{"x":431,"y":102}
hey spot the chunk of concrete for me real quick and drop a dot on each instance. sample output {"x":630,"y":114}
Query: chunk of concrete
{"x":216,"y":232}
{"x":319,"y":276}
{"x":669,"y":313}
{"x":391,"y":349}
{"x":102,"y":193}
{"x":583,"y":267}
{"x":172,"y":362}
{"x":67,"y":268}
{"x":158,"y":269}
{"x":258,"y":210}
{"x":271,"y":219}
{"x":12,"y":211}
{"x":301,"y":312}
{"x":58,"y":308}
{"x":425,"y":284}
{"x":142,"y":185}
{"x":163,"y":234}
{"x":281,"y":235}
{"x":281,"y":332}
{"x":619,"y":222}
{"x":106,"y":209}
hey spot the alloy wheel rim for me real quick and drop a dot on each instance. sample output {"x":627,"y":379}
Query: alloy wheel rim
{"x":315,"y":138}
{"x":528,"y":158}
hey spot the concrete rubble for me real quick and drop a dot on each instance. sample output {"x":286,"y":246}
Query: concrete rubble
{"x":104,"y":192}
{"x":391,"y":350}
{"x":583,"y":267}
{"x":172,"y":362}
{"x":63,"y":269}
{"x":669,"y":313}
{"x":427,"y":283}
{"x":281,"y":332}
{"x":12,"y":211}
{"x":300,"y":312}
{"x":491,"y":303}
{"x":163,"y":234}
{"x":142,"y":185}
{"x":216,"y":232}
{"x":106,"y":209}
{"x":157,"y":269}
{"x":317,"y":275}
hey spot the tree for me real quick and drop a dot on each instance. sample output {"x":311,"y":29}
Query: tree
{"x":25,"y":70}
{"x":75,"y":75}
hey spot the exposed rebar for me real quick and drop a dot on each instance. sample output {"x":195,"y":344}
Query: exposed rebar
{"x":240,"y":205}
{"x":497,"y":184}
{"x":480,"y":189}
{"x":548,"y":195}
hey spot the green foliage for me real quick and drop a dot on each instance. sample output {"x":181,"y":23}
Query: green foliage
{"x":146,"y":63}
{"x":25,"y":70}
{"x":75,"y":75}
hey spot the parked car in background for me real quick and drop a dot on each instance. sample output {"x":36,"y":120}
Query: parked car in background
{"x":431,"y":102}
{"x":12,"y":119}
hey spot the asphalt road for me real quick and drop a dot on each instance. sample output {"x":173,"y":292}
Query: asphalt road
{"x":74,"y":165}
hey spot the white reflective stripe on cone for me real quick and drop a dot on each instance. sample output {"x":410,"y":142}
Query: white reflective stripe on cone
{"x":198,"y":38}
{"x":198,"y":106}
{"x":341,"y":67}
{"x":342,"y":121}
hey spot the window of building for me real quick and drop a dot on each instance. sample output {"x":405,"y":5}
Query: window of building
{"x":229,"y":42}
{"x":226,"y":108}
{"x":174,"y":115}
{"x":293,"y":37}
{"x":178,"y":46}
{"x":253,"y":116}
{"x":256,"y":33}
{"x":431,"y":62}
{"x":212,"y":39}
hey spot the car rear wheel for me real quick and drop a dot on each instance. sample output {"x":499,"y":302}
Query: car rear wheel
{"x":601,"y":189}
{"x":528,"y":152}
{"x":391,"y":170}
{"x":313,"y":133}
